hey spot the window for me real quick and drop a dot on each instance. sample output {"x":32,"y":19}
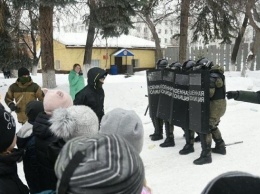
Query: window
{"x":166,"y":31}
{"x":57,"y":64}
{"x":165,"y":40}
{"x":166,"y":22}
{"x":136,"y":62}
{"x":95,"y":63}
{"x":145,"y":29}
{"x":159,"y":31}
{"x":171,"y":32}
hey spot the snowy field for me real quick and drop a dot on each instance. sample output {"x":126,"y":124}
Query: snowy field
{"x":168,"y":172}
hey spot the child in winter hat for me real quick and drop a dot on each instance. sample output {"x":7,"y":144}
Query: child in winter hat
{"x":100,"y":164}
{"x":125,"y":123}
{"x":7,"y":130}
{"x":233,"y":182}
{"x":74,"y":121}
{"x":54,"y":99}
{"x":9,"y":156}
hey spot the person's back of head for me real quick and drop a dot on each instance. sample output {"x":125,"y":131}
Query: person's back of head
{"x":233,"y":182}
{"x":125,"y":123}
{"x":100,"y":164}
{"x":33,"y":108}
{"x":54,"y":99}
{"x":74,"y":121}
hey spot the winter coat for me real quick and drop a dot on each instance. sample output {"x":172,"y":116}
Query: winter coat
{"x":23,"y":93}
{"x":26,"y":141}
{"x":10,"y":183}
{"x":246,"y":96}
{"x":43,"y":137}
{"x":76,"y":83}
{"x":92,"y":95}
{"x":217,"y":93}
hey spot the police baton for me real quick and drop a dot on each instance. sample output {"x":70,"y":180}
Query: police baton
{"x":147,"y":107}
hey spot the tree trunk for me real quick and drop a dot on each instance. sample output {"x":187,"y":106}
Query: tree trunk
{"x":89,"y":45}
{"x":184,"y":23}
{"x":237,"y":43}
{"x":251,"y":56}
{"x":158,"y":53}
{"x":47,"y":56}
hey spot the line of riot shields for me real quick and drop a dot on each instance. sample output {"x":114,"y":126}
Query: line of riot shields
{"x":181,"y":98}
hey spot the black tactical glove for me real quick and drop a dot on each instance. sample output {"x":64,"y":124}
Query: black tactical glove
{"x":12,"y":107}
{"x":232,"y":94}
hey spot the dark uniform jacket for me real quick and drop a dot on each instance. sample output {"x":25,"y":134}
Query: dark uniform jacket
{"x":10,"y":183}
{"x":23,"y":93}
{"x":92,"y":95}
{"x":44,"y":137}
{"x":246,"y":96}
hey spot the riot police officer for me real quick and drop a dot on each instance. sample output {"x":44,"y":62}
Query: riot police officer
{"x":217,"y":110}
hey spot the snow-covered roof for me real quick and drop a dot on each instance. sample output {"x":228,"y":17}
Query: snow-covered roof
{"x":125,"y":41}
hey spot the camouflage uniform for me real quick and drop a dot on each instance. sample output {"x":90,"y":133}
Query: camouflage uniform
{"x":246,"y":96}
{"x":217,"y":110}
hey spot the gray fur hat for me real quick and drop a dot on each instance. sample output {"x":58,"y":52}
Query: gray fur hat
{"x":100,"y":164}
{"x":125,"y":123}
{"x":67,"y":123}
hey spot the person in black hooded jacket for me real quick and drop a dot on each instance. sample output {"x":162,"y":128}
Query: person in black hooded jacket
{"x":93,"y":94}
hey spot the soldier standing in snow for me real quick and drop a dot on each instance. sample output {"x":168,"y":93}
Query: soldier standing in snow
{"x":245,"y":96}
{"x":22,"y":91}
{"x":217,"y":110}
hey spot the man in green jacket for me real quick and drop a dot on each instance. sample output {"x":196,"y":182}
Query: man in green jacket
{"x":76,"y":80}
{"x":21,"y":92}
{"x":245,"y":96}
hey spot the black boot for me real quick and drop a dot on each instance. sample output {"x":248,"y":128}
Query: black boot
{"x":220,"y":148}
{"x":169,"y":141}
{"x":158,"y":125}
{"x":205,"y":156}
{"x":197,"y":139}
{"x":188,"y":148}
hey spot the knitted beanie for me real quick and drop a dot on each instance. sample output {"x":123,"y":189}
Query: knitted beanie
{"x":33,"y":108}
{"x":7,"y":130}
{"x":23,"y":71}
{"x":125,"y":123}
{"x":101,"y":164}
{"x":74,"y":121}
{"x":233,"y":182}
{"x":54,"y":99}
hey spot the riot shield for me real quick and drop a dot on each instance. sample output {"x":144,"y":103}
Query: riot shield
{"x":154,"y":78}
{"x":165,"y":97}
{"x":180,"y":99}
{"x":199,"y":101}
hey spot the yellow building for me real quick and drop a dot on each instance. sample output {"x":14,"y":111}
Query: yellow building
{"x":125,"y":52}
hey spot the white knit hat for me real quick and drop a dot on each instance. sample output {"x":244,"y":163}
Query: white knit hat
{"x":125,"y":123}
{"x":74,"y":121}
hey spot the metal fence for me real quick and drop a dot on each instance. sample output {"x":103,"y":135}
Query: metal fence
{"x":218,"y":54}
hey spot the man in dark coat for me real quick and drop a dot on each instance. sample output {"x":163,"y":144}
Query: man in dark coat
{"x":93,"y":94}
{"x":245,"y":96}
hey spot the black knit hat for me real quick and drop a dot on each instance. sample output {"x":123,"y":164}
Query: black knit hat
{"x":100,"y":164}
{"x":23,"y":71}
{"x":33,"y":108}
{"x":7,"y":130}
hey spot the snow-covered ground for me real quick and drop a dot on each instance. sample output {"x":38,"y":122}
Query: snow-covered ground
{"x":166,"y":171}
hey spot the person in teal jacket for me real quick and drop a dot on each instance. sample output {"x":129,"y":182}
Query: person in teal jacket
{"x":76,"y":80}
{"x":245,"y":96}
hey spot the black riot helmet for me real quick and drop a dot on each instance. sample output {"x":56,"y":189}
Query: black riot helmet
{"x":188,"y":65}
{"x":175,"y":66}
{"x":161,"y":63}
{"x":203,"y":63}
